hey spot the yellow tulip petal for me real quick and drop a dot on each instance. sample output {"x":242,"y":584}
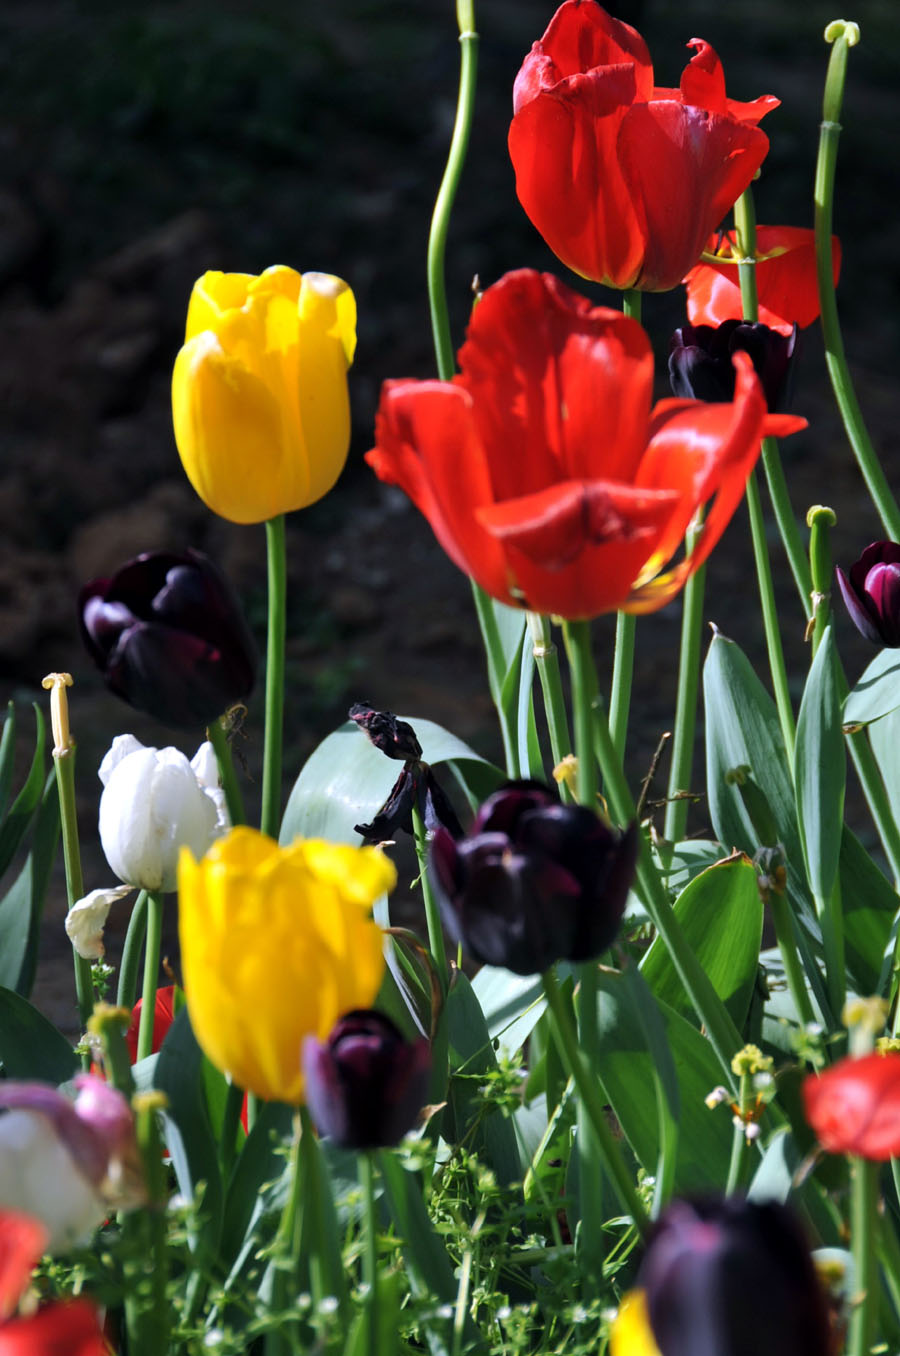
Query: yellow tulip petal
{"x":214,"y":294}
{"x":363,"y":873}
{"x":631,"y":1332}
{"x":327,"y":312}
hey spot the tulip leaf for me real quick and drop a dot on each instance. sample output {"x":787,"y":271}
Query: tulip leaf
{"x":512,"y":1005}
{"x":22,"y":905}
{"x":721,"y":915}
{"x":626,"y":1066}
{"x":346,"y":780}
{"x":189,"y":1135}
{"x":869,"y":906}
{"x":30,"y":1045}
{"x":7,"y":755}
{"x":877,"y":692}
{"x":884,"y":736}
{"x":773,"y":1179}
{"x":261,"y":1160}
{"x":25,"y":805}
{"x":820,"y":770}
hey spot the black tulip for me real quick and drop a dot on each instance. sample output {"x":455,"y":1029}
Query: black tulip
{"x":365,"y":1085}
{"x":700,"y":365}
{"x":168,"y":635}
{"x":533,"y":881}
{"x":872,"y":593}
{"x":731,"y":1277}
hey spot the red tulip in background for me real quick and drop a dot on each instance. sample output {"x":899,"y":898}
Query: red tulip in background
{"x":542,"y":468}
{"x":66,"y":1328}
{"x":785,"y":279}
{"x":854,"y":1107}
{"x":626,"y":181}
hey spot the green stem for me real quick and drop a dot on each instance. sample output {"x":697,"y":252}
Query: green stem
{"x":623,"y":672}
{"x":589,"y":1092}
{"x":126,"y":995}
{"x":739,"y":1142}
{"x":721,"y":1030}
{"x":872,"y":783}
{"x":820,"y":521}
{"x":787,"y":945}
{"x":440,"y":220}
{"x":843,"y":36}
{"x":231,"y":1119}
{"x":689,"y":661}
{"x":152,"y":950}
{"x":770,"y":616}
{"x":286,"y":1247}
{"x":147,"y":1308}
{"x":863,"y":1243}
{"x":496,"y":665}
{"x":745,"y":233}
{"x":577,"y":637}
{"x":432,"y":910}
{"x":227,"y":776}
{"x":370,"y":1251}
{"x":271,"y":781}
{"x":591,"y":1153}
{"x":787,"y":522}
{"x":65,"y":785}
{"x":546,"y":658}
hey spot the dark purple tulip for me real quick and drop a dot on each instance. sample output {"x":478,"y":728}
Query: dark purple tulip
{"x":168,"y":635}
{"x":533,"y":881}
{"x":365,"y":1085}
{"x":872,"y":593}
{"x":731,"y":1277}
{"x":700,"y":366}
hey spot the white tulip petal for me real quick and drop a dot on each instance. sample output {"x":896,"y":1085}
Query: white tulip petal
{"x":86,"y":920}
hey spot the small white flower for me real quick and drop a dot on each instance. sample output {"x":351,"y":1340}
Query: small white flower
{"x":86,"y":920}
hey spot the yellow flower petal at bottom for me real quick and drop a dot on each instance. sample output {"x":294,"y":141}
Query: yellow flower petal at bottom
{"x":631,"y":1332}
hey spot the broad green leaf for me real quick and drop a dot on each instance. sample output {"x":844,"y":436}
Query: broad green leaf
{"x":683,"y":861}
{"x":23,"y":904}
{"x":260,"y":1161}
{"x":30,"y":1045}
{"x":511,"y":1005}
{"x":346,"y":780}
{"x":820,"y":770}
{"x":189,"y":1135}
{"x":877,"y":692}
{"x":531,"y":760}
{"x":471,"y":1057}
{"x":884,"y":736}
{"x":869,"y":906}
{"x":7,"y":756}
{"x":773,"y":1178}
{"x":626,"y":1071}
{"x":721,"y":915}
{"x":25,"y":805}
{"x":665,"y":1079}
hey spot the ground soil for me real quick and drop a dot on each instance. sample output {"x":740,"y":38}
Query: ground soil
{"x":144,"y":146}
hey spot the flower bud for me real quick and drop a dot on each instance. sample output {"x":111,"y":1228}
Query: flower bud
{"x":724,"y":1277}
{"x":701,"y":367}
{"x":872,"y":593}
{"x":153,"y":804}
{"x":168,"y":635}
{"x":365,"y":1085}
{"x":534,"y":881}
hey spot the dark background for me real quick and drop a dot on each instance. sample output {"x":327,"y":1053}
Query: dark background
{"x":144,"y":145}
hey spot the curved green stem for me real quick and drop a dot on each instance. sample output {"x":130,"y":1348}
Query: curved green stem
{"x":152,"y":950}
{"x":577,"y":636}
{"x":271,"y":779}
{"x":126,"y":995}
{"x":786,"y":520}
{"x":843,"y":36}
{"x":432,"y":911}
{"x":227,"y":776}
{"x":589,"y":1092}
{"x":686,"y":701}
{"x":863,"y":1244}
{"x":546,"y":659}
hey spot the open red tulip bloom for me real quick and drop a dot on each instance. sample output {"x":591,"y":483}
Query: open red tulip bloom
{"x":854,"y":1107}
{"x":542,"y":468}
{"x":785,"y":279}
{"x":626,"y":181}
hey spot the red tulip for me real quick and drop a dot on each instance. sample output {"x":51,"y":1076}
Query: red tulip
{"x":854,"y":1107}
{"x":163,"y":1017}
{"x":785,"y":279}
{"x":542,"y":468}
{"x":623,"y":180}
{"x":68,"y":1328}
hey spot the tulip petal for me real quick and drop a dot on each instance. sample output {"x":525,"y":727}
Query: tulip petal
{"x":326,"y":343}
{"x":581,"y":37}
{"x":22,"y":1243}
{"x":785,"y":281}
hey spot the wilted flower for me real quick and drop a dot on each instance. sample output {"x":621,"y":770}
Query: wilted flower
{"x":65,"y":1161}
{"x":533,"y":881}
{"x":416,"y":787}
{"x":854,"y":1107}
{"x":365,"y":1085}
{"x":872,"y":593}
{"x":65,"y":1328}
{"x":259,"y":391}
{"x":786,"y":282}
{"x":701,"y":366}
{"x":277,"y":942}
{"x":625,"y":180}
{"x":722,"y":1278}
{"x":544,"y":471}
{"x":168,"y":635}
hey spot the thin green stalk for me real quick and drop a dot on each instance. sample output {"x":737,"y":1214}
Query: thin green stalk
{"x":496,"y":665}
{"x":546,"y":658}
{"x":577,"y":637}
{"x":271,"y":777}
{"x":623,"y":672}
{"x":820,"y":520}
{"x":786,"y":521}
{"x":147,"y":1311}
{"x":227,"y":776}
{"x":65,"y":783}
{"x":739,"y":1142}
{"x":279,"y":1342}
{"x":370,"y":1248}
{"x":872,"y":783}
{"x":589,"y":1092}
{"x":721,"y":1030}
{"x":863,"y":1245}
{"x":432,"y":910}
{"x":590,"y":1151}
{"x":770,"y":617}
{"x":843,"y":35}
{"x":152,"y":950}
{"x":126,"y":995}
{"x":787,"y":945}
{"x":745,"y":234}
{"x":689,"y":661}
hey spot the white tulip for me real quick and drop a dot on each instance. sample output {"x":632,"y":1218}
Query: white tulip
{"x":153,"y":804}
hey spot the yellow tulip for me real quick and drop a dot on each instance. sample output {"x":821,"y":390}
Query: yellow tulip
{"x":631,"y":1332}
{"x":276,"y":944}
{"x":259,"y":390}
